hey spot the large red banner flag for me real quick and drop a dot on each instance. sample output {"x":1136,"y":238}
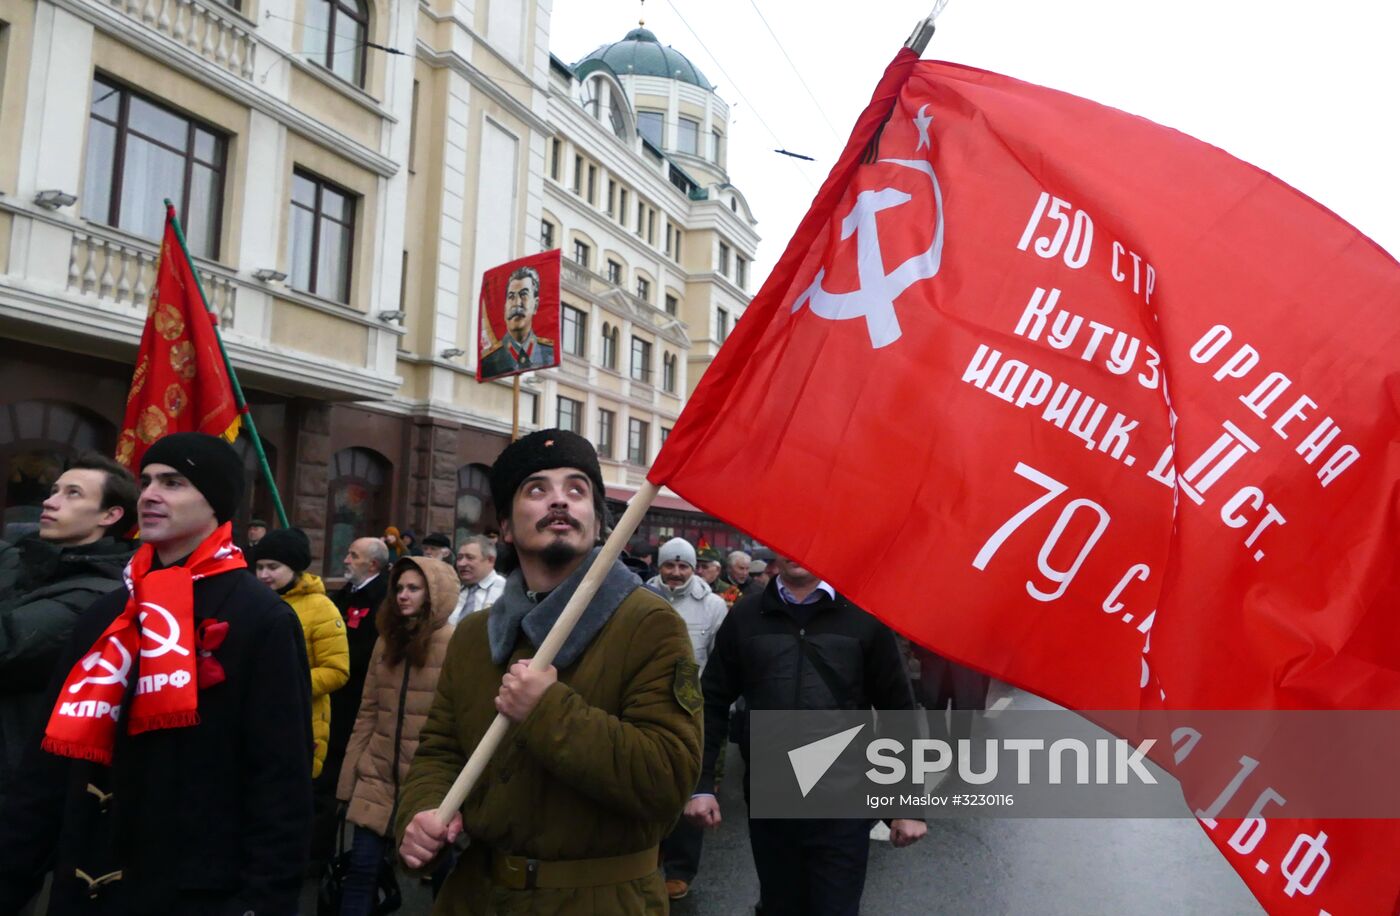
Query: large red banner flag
{"x":1094,"y":407}
{"x":180,"y":383}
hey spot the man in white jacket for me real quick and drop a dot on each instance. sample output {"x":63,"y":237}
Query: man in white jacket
{"x":703,"y":612}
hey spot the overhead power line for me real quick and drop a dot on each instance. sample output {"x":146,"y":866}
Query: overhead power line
{"x":795,"y":72}
{"x":735,"y":83}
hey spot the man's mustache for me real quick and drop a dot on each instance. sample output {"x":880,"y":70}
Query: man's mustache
{"x":554,"y":517}
{"x":517,"y":311}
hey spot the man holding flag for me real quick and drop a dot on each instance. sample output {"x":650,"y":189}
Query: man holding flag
{"x":603,"y":745}
{"x":172,"y":776}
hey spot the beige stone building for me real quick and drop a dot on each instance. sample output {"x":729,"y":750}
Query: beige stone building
{"x":346,"y":169}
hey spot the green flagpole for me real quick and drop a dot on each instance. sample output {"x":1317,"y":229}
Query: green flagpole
{"x":243,"y":410}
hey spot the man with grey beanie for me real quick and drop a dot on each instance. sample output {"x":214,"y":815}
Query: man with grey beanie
{"x":703,"y":611}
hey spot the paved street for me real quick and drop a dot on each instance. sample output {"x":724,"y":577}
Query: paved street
{"x":990,"y":866}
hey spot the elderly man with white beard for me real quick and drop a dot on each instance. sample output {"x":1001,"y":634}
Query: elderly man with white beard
{"x":703,"y":611}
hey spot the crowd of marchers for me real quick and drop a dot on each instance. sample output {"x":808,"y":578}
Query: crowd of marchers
{"x":191,"y":724}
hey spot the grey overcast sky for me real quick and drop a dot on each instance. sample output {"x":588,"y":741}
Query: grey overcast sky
{"x":1307,"y":91}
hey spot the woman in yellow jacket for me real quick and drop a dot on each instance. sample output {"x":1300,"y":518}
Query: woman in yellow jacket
{"x":281,"y":560}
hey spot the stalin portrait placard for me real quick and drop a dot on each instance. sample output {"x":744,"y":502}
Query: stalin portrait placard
{"x":519,"y":317}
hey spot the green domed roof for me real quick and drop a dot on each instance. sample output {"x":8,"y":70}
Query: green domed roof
{"x":640,"y":54}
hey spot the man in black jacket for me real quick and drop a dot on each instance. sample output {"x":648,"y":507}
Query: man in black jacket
{"x":204,"y":804}
{"x":71,"y":562}
{"x":799,"y":645}
{"x":366,"y":583}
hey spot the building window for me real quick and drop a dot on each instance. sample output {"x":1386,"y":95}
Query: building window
{"x":555,"y":149}
{"x":321,"y":237}
{"x":637,"y":433}
{"x":573,"y":324}
{"x":581,"y":253}
{"x":724,"y":259}
{"x":665,"y":434}
{"x":721,"y":324}
{"x":673,"y":304}
{"x":668,"y":373}
{"x":546,"y":234}
{"x":741,"y":271}
{"x":578,"y":175}
{"x":622,"y":207}
{"x":403,"y":284}
{"x":475,"y":511}
{"x":334,"y":37}
{"x":610,"y":336}
{"x":644,"y":289}
{"x":641,"y":360}
{"x":413,"y":131}
{"x":570,"y":414}
{"x":592,"y":184}
{"x":612,"y":198}
{"x":649,"y":125}
{"x":641,"y":218}
{"x":651,"y":226}
{"x":357,"y":500}
{"x":688,"y":136}
{"x":139,"y":152}
{"x":607,"y":432}
{"x":716,"y":145}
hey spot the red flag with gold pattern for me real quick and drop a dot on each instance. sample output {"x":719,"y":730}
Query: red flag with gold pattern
{"x":180,"y":384}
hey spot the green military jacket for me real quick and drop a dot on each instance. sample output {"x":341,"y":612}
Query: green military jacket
{"x":602,"y":766}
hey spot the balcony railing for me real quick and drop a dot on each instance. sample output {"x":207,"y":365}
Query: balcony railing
{"x":590,"y":283}
{"x":217,"y":37}
{"x":121,"y":272}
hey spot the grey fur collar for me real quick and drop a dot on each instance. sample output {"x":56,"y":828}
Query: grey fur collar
{"x":513,"y":612}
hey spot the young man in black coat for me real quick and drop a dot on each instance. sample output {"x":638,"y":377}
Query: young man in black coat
{"x":72,"y":561}
{"x":173,"y":772}
{"x":799,"y":645}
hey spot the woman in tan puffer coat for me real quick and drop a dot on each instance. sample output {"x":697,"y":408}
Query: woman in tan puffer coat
{"x":399,"y":690}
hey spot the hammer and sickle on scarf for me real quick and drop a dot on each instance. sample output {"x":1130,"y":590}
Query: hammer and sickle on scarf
{"x":163,"y":644}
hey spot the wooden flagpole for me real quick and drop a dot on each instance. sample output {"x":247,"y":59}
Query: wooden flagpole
{"x":515,"y":411}
{"x":243,"y":411}
{"x":544,"y":657}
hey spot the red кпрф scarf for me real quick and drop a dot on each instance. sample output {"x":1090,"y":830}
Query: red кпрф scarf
{"x":153,"y":637}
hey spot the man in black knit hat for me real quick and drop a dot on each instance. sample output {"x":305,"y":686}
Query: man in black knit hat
{"x":173,"y":773}
{"x":604,"y":745}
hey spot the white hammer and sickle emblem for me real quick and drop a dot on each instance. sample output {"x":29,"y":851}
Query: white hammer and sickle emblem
{"x":874,"y":300}
{"x":116,"y":674}
{"x":163,"y":644}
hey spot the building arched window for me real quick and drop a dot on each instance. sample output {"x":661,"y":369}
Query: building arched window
{"x":610,"y":340}
{"x":357,"y":503}
{"x":668,"y":373}
{"x":334,"y":37}
{"x":38,"y":439}
{"x":476,"y":513}
{"x":257,"y":496}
